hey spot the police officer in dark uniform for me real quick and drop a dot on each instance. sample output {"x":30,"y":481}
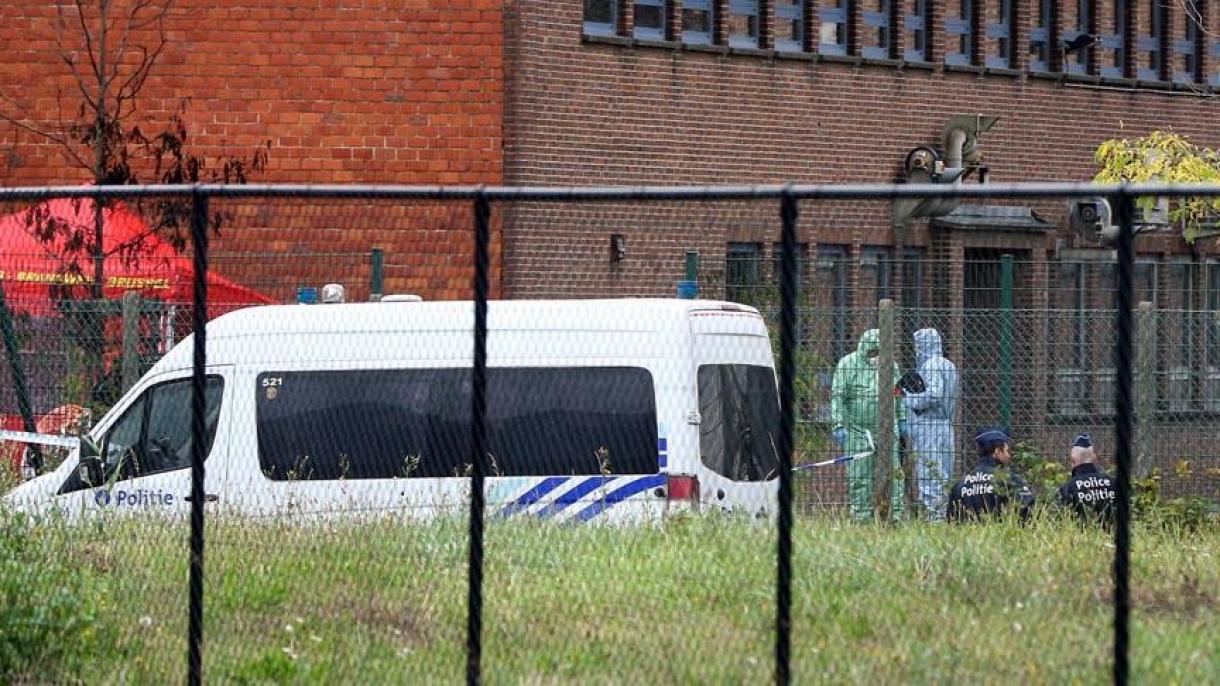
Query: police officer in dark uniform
{"x":983,"y":494}
{"x":1090,"y":492}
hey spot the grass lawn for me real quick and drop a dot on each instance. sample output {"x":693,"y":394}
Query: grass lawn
{"x":690,"y":602}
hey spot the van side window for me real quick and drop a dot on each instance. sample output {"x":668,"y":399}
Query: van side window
{"x":154,"y":434}
{"x":739,"y":411}
{"x":409,"y":423}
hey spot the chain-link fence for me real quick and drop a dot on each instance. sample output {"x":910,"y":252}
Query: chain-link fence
{"x":1044,"y":374}
{"x":387,"y":470}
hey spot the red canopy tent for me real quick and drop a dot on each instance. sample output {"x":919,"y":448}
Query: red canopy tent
{"x":30,"y":268}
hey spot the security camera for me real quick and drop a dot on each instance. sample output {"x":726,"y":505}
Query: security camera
{"x":1091,"y":219}
{"x":618,"y":247}
{"x":1089,"y":212}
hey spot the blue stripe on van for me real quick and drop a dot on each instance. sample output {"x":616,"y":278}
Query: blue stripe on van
{"x":533,"y":495}
{"x":662,"y":445}
{"x":574,"y":495}
{"x":620,"y":494}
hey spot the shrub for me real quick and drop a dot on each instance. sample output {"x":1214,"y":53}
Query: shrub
{"x":48,"y":618}
{"x":1043,"y":476}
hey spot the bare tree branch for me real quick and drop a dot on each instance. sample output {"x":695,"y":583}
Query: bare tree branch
{"x":135,"y":82}
{"x":67,"y":142}
{"x":69,"y":56}
{"x":58,"y":138}
{"x":54,"y":137}
{"x":1191,"y":9}
{"x":136,"y":23}
{"x":133,"y":241}
{"x":125,"y":95}
{"x":122,"y":48}
{"x":81,"y":84}
{"x":88,"y":36}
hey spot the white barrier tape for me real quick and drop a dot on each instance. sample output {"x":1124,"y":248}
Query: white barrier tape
{"x":42,"y":439}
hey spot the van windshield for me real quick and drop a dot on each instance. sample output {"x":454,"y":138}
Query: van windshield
{"x":739,"y":421}
{"x":154,"y":434}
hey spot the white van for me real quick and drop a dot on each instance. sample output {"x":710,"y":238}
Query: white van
{"x":596,"y":409}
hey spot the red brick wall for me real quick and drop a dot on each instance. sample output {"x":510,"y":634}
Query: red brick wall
{"x":590,"y":112}
{"x":468,"y":92}
{"x":345,"y":91}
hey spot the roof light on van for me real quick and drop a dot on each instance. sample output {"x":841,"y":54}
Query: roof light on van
{"x":401,"y":298}
{"x":333,"y":293}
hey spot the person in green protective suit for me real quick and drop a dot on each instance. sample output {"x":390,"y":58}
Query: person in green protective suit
{"x":853,"y":413}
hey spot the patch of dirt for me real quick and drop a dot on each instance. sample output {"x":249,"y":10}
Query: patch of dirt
{"x":393,"y":616}
{"x":96,"y":556}
{"x":1185,"y":597}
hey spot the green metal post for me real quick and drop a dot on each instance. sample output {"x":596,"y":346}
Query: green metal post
{"x":1145,"y":387}
{"x":23,"y":393}
{"x":1006,"y":325}
{"x":689,"y":286}
{"x":883,"y":472}
{"x":377,"y":285}
{"x":131,"y":340}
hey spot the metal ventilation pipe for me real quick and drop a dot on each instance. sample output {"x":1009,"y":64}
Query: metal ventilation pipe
{"x":955,"y":143}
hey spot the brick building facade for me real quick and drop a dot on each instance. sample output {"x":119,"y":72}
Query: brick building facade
{"x":527,"y":92}
{"x":828,"y":92}
{"x":835,"y":91}
{"x":628,"y":92}
{"x":343,"y":91}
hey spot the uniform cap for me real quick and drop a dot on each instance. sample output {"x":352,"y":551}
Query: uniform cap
{"x":1082,"y":441}
{"x":990,"y":437}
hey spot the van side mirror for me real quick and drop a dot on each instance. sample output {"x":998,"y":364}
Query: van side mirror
{"x":90,"y":470}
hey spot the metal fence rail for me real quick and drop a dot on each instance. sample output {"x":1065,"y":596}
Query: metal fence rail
{"x":1031,"y":358}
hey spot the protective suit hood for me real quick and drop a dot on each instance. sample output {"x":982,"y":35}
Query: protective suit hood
{"x":870,"y":341}
{"x":927,"y":345}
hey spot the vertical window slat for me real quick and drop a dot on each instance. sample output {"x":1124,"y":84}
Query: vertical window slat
{"x":1113,"y":44}
{"x":999,"y":36}
{"x":1148,"y":44}
{"x":959,"y":30}
{"x":1040,"y":38}
{"x":916,"y":23}
{"x":876,"y":19}
{"x":790,"y":26}
{"x":743,"y":24}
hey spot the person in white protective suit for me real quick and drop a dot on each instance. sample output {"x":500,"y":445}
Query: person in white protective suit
{"x":930,"y":417}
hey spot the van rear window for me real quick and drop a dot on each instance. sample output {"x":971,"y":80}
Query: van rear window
{"x":415,"y":423}
{"x":739,"y":411}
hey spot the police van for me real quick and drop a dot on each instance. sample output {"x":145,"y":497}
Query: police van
{"x":604,"y":410}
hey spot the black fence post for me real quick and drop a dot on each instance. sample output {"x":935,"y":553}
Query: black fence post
{"x":1125,"y":206}
{"x":19,"y":386}
{"x":474,"y":598}
{"x":787,"y":376}
{"x":199,"y":236}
